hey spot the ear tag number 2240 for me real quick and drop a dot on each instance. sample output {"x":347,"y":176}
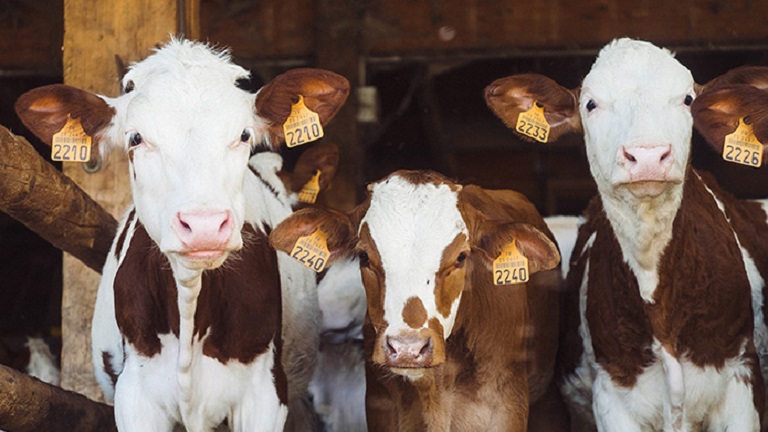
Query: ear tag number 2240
{"x":302,"y":126}
{"x":510,"y":267}
{"x":71,"y":143}
{"x":312,"y":251}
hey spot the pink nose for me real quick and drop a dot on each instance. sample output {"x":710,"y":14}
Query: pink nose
{"x":647,"y":163}
{"x":408,"y":350}
{"x":204,"y":230}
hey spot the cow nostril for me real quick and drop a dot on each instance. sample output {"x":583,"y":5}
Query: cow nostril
{"x":390,"y":349}
{"x":628,"y":156}
{"x":426,"y":348}
{"x":666,"y":155}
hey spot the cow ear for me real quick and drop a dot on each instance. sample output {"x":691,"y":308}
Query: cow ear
{"x":44,"y":111}
{"x":324,"y":93}
{"x":336,"y":226}
{"x":717,"y":110}
{"x":492,"y":237}
{"x":322,"y":156}
{"x":508,"y":97}
{"x":753,"y":76}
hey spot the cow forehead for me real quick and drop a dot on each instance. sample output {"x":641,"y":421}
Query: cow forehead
{"x":628,"y":67}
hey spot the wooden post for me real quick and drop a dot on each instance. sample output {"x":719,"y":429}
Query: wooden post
{"x":338,"y":48}
{"x":95,"y":33}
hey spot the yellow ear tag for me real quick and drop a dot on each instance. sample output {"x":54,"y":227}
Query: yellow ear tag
{"x":532,"y":123}
{"x":742,"y":146}
{"x":309,"y":191}
{"x":312,"y":251}
{"x":302,"y":126}
{"x":71,"y":143}
{"x":511,"y":267}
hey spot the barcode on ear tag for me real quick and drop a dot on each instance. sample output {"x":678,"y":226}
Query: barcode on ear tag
{"x":312,"y":251}
{"x":310,"y":190}
{"x":533,"y":124}
{"x":510,"y":267}
{"x":742,"y":146}
{"x":302,"y":126}
{"x":71,"y":143}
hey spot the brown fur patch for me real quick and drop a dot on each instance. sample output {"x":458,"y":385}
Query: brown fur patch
{"x":414,"y":314}
{"x":451,"y":278}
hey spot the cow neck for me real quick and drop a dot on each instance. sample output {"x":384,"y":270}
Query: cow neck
{"x":189,"y":282}
{"x":267,"y":199}
{"x":643,"y":228}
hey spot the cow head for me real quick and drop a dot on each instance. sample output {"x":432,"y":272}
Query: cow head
{"x":421,"y":240}
{"x":188,"y":131}
{"x":633,"y":108}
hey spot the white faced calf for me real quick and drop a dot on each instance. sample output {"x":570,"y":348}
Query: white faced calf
{"x":471,"y":355}
{"x":176,"y":341}
{"x":663,"y":335}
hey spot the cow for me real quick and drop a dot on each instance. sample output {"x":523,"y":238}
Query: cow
{"x":197,"y":321}
{"x":445,"y":348}
{"x":664,"y":317}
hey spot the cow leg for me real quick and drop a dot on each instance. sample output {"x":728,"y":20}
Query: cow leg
{"x":135,"y":406}
{"x":261,"y":409}
{"x":611,"y":414}
{"x":736,"y":411}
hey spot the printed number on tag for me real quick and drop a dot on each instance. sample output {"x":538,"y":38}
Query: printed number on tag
{"x":742,"y":146}
{"x":302,"y":126}
{"x":312,"y":251}
{"x":533,"y":124}
{"x":510,"y":267}
{"x":71,"y":143}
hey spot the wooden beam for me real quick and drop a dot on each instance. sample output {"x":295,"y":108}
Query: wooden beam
{"x":95,"y":32}
{"x":30,"y":405}
{"x":49,"y":203}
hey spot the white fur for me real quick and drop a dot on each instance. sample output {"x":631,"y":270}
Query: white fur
{"x":565,"y":230}
{"x":42,"y":363}
{"x":338,"y":385}
{"x":411,"y":226}
{"x":186,"y":106}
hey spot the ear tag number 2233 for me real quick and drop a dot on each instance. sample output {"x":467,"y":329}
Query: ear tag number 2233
{"x":71,"y":143}
{"x":510,"y":267}
{"x":742,"y":146}
{"x":533,"y":124}
{"x":312,"y":251}
{"x":302,"y":126}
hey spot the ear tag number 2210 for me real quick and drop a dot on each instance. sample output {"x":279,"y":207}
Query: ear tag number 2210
{"x":510,"y":267}
{"x":71,"y":143}
{"x":302,"y":126}
{"x":312,"y":251}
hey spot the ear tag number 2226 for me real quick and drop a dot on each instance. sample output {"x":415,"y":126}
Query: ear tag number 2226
{"x":71,"y":143}
{"x":312,"y":251}
{"x":742,"y":146}
{"x":510,"y":267}
{"x":533,"y":124}
{"x":302,"y":126}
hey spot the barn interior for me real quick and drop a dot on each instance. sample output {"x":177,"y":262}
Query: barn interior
{"x":417,"y":68}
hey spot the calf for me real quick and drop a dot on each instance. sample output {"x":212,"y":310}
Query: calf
{"x":667,"y":275}
{"x":445,"y":348}
{"x":197,"y":320}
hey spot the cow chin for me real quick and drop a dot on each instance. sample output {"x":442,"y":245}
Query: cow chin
{"x":203,"y":260}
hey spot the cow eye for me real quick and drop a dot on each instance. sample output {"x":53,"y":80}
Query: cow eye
{"x":246,"y":136}
{"x":135,"y":139}
{"x":129,"y":86}
{"x":362,"y":256}
{"x":688,"y":100}
{"x":591,"y":105}
{"x":460,"y":259}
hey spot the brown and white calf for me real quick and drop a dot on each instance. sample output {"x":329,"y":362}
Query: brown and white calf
{"x":445,"y":348}
{"x":667,"y":276}
{"x":197,"y":320}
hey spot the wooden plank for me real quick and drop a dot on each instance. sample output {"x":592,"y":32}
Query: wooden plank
{"x":95,"y":32}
